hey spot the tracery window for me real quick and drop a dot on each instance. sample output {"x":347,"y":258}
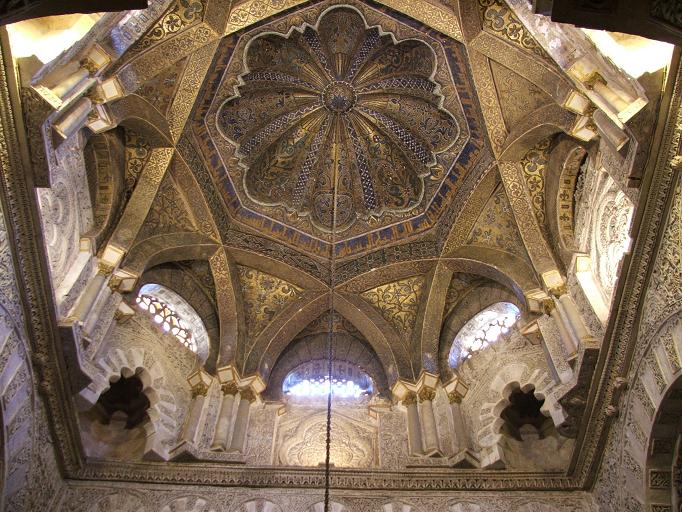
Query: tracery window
{"x":484,"y":329}
{"x":168,"y":319}
{"x":311,"y":380}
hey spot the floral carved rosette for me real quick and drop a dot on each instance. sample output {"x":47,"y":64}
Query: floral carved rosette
{"x":338,"y":114}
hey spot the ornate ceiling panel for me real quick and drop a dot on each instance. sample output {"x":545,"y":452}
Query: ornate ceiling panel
{"x":518,"y":96}
{"x":398,"y":302}
{"x":264,"y":296}
{"x":496,"y":227}
{"x":346,"y":117}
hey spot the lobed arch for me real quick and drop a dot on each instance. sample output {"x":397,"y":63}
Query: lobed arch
{"x":515,"y":376}
{"x":163,"y":420}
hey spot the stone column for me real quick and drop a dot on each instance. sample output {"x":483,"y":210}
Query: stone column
{"x":461,"y":438}
{"x":224,"y":422}
{"x":89,"y":296}
{"x":196,"y":408}
{"x":551,"y":310}
{"x":567,"y":325}
{"x":430,"y":439}
{"x":69,"y":84}
{"x":573,"y":316}
{"x":414,"y":430}
{"x":74,"y":118}
{"x":241,"y":422}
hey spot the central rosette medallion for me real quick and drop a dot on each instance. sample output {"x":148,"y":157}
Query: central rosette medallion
{"x":339,"y":97}
{"x":338,"y":122}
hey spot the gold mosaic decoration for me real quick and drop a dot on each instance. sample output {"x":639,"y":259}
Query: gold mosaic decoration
{"x":180,"y":15}
{"x":518,"y":96}
{"x":398,"y":302}
{"x":321,"y":325}
{"x":252,"y":11}
{"x":264,"y":296}
{"x":534,"y":165}
{"x":137,"y":156}
{"x":160,"y":90}
{"x":168,"y":214}
{"x":566,"y":196}
{"x":338,"y":114}
{"x":496,"y":227}
{"x":500,"y":19}
{"x":459,"y":285}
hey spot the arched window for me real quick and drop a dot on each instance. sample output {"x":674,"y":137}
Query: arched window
{"x":311,"y":380}
{"x":175,"y":316}
{"x":482,"y":330}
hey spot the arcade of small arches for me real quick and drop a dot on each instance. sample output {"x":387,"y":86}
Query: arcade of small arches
{"x":486,"y":190}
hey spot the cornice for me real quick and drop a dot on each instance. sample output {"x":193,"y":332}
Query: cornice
{"x":414,"y":479}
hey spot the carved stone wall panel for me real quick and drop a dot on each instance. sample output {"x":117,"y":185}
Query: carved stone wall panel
{"x":65,"y":207}
{"x":31,"y":479}
{"x":301,"y":438}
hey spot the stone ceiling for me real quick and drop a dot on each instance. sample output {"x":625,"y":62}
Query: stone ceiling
{"x":348,"y":105}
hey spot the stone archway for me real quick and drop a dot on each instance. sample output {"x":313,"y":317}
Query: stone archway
{"x":510,"y":378}
{"x":162,"y":421}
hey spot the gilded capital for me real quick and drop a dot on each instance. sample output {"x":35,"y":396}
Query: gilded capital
{"x":229,"y":388}
{"x":427,"y":393}
{"x":548,"y":306}
{"x":200,"y":389}
{"x":454,"y":397}
{"x":104,"y":268}
{"x":410,"y":398}
{"x":247,"y":394}
{"x":558,"y":291}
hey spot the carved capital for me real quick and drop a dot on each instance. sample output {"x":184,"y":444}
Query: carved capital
{"x":90,"y":65}
{"x":454,"y":397}
{"x":247,"y":394}
{"x":121,"y":317}
{"x":200,"y":389}
{"x":427,"y":394}
{"x":548,"y":306}
{"x":410,"y":398}
{"x":229,"y":388}
{"x":558,"y":291}
{"x":115,"y":283}
{"x":104,"y":268}
{"x":593,"y":80}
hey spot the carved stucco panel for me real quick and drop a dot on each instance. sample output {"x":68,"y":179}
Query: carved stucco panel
{"x":65,"y":208}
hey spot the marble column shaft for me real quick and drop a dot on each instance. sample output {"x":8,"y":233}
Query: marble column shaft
{"x":196,"y":408}
{"x":461,"y":438}
{"x":414,"y":431}
{"x":225,"y":416}
{"x":430,"y":438}
{"x":241,"y":422}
